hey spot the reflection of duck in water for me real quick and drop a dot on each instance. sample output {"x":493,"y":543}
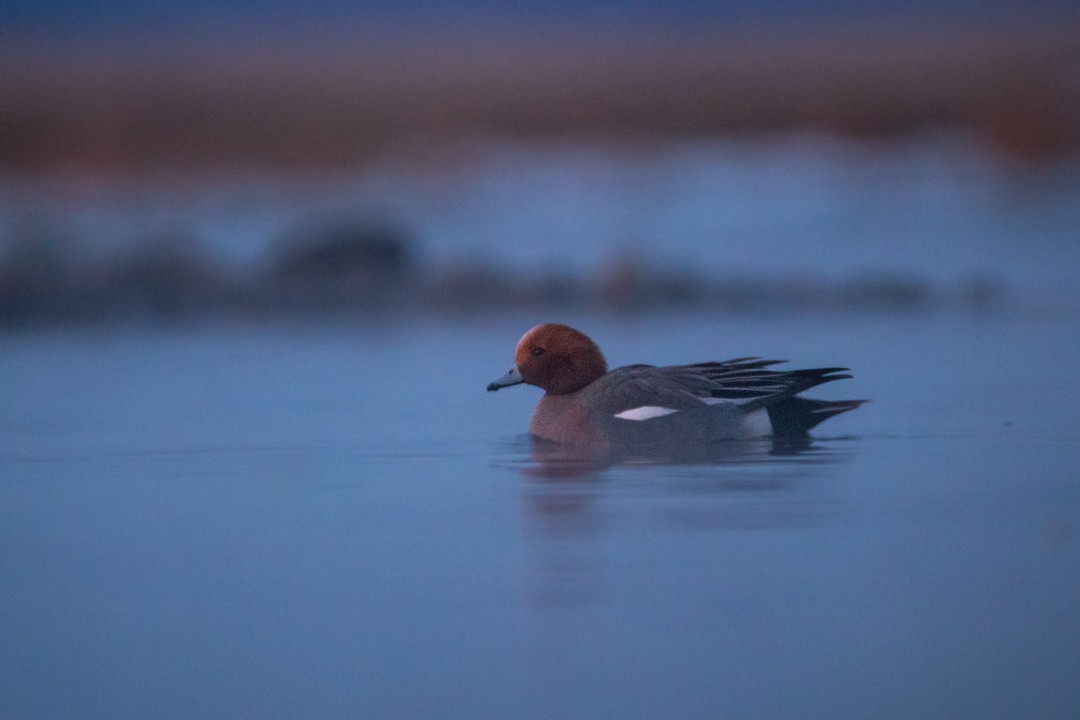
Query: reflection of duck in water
{"x":642,"y":407}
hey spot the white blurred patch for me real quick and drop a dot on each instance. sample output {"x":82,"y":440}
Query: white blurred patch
{"x":757,"y":423}
{"x":645,"y":412}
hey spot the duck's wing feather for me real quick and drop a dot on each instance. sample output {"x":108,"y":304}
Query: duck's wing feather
{"x":746,"y":382}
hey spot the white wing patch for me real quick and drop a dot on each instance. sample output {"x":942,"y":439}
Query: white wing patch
{"x":645,"y":412}
{"x":758,"y":423}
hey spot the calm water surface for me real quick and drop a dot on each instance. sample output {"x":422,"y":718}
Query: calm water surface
{"x":340,"y":522}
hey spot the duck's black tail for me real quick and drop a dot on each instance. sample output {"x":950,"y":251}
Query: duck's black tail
{"x":796,"y":415}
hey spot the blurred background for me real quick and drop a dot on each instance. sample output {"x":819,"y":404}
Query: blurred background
{"x":249,"y":159}
{"x":259,"y":260}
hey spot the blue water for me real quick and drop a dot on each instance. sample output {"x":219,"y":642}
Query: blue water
{"x":338,"y":521}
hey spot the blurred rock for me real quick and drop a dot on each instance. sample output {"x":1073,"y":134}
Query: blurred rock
{"x":339,"y":266}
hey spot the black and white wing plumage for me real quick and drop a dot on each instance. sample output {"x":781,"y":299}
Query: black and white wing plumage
{"x":749,"y":382}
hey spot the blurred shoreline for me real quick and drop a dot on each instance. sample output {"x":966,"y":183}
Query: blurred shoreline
{"x":242,"y":102}
{"x":355,"y":273}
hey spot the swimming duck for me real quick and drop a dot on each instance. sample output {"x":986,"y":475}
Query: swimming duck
{"x":587,"y":405}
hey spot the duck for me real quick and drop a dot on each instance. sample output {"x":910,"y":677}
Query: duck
{"x":586,"y":405}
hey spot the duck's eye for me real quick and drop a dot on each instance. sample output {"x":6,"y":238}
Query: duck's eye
{"x":537,"y":352}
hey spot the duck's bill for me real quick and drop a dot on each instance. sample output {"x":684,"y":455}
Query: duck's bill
{"x":511,"y":378}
